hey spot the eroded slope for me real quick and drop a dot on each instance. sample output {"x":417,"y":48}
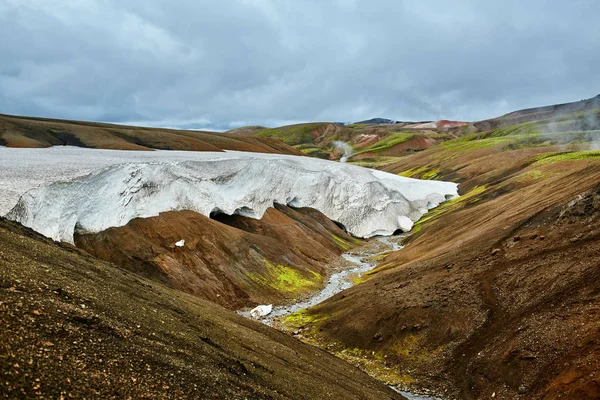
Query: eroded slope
{"x":74,"y":326}
{"x":237,"y":262}
{"x":496,"y":291}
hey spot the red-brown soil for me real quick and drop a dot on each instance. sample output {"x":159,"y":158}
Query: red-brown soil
{"x":42,"y":132}
{"x":499,"y":295}
{"x":72,"y":326}
{"x":234,"y":261}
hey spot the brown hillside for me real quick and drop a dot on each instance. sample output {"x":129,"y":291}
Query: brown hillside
{"x":42,"y":132}
{"x":496,"y":292}
{"x":236,"y":262}
{"x":538,"y":113}
{"x":75,"y":327}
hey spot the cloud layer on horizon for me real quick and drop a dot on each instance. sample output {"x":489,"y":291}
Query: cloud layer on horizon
{"x":220,"y":65}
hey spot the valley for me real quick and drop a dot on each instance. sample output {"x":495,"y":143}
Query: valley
{"x":494,"y":293}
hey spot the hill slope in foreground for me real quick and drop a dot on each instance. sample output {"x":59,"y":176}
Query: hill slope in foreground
{"x":77,"y":327}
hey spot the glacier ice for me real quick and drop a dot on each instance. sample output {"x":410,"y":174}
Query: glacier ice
{"x":366,"y":202}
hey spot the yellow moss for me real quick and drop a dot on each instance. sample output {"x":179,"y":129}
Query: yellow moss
{"x":301,"y":319}
{"x":550,"y":158}
{"x":421,"y":172}
{"x":285,"y":279}
{"x":342,"y":244}
{"x":468,"y":198}
{"x":373,"y":364}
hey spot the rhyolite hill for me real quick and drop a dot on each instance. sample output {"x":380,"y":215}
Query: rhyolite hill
{"x":496,"y":292}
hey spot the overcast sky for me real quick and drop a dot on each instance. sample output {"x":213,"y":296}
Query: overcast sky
{"x":221,"y":64}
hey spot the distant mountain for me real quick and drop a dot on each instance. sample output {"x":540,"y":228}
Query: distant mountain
{"x":374,"y":121}
{"x":538,"y":113}
{"x":18,"y":131}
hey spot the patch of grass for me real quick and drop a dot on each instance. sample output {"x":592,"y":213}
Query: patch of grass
{"x":474,"y":142}
{"x":526,"y":128}
{"x":458,"y":202}
{"x":533,"y":175}
{"x":285,"y":279}
{"x":374,"y":162}
{"x":374,"y":366}
{"x":302,"y":320}
{"x":341,"y":243}
{"x":293,"y":134}
{"x":424,"y":172}
{"x":390,"y":140}
{"x":312,"y":151}
{"x":551,"y":158}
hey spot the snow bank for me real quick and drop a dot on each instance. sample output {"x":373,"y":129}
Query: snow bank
{"x":366,"y":202}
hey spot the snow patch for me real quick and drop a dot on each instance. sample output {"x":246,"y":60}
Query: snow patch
{"x":261,"y":311}
{"x":365,"y":201}
{"x":181,"y":243}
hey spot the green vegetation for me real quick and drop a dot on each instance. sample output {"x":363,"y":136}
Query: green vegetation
{"x":374,"y":162}
{"x":312,"y":150}
{"x":526,"y":128}
{"x":392,"y":139}
{"x":300,"y":319}
{"x":424,"y":172}
{"x":285,"y":279}
{"x":471,"y":197}
{"x":551,"y":158}
{"x":342,"y":244}
{"x":293,"y":134}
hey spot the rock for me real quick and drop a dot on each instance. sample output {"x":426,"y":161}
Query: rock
{"x":261,"y":311}
{"x":495,"y":252}
{"x":522,"y":389}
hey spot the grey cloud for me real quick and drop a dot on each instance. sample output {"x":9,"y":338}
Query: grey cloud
{"x":220,"y":64}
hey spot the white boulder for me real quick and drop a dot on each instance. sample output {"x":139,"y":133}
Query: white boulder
{"x":261,"y":311}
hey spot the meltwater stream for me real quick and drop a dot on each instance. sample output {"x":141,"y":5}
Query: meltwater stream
{"x":362,"y":260}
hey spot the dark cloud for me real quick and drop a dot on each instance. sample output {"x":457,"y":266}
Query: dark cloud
{"x":222,"y":64}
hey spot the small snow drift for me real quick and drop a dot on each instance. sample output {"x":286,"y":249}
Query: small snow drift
{"x":261,"y":311}
{"x":181,"y":243}
{"x":366,"y":202}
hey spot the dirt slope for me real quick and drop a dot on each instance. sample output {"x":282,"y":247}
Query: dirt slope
{"x":496,"y":292}
{"x":42,"y":132}
{"x":73,"y":326}
{"x":537,"y":113}
{"x":367,"y":141}
{"x":234,"y":261}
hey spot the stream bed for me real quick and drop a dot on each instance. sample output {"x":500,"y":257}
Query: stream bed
{"x":358,"y":261}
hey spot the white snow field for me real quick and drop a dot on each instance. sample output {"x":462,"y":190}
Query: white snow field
{"x":366,"y":202}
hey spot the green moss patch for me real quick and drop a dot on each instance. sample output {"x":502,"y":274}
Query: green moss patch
{"x":342,"y":244}
{"x":285,"y":279}
{"x":471,"y":197}
{"x":551,"y":158}
{"x":424,"y":172}
{"x":292,"y":135}
{"x":390,"y":140}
